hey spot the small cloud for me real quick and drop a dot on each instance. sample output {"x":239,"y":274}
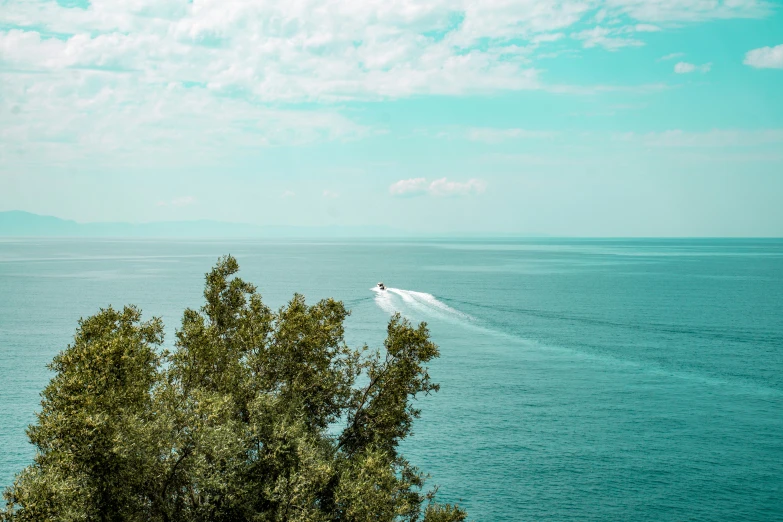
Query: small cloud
{"x":438,"y":187}
{"x":646,"y":28}
{"x":609,"y":39}
{"x":408,"y":187}
{"x":287,"y":194}
{"x":443,"y":187}
{"x":330,"y":194}
{"x":671,"y":56}
{"x":546,"y":37}
{"x":687,"y":68}
{"x":765,"y":57}
{"x":182,"y":201}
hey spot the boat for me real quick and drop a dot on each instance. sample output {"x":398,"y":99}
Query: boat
{"x":381,"y":286}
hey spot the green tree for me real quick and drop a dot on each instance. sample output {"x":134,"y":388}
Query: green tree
{"x":256,"y":415}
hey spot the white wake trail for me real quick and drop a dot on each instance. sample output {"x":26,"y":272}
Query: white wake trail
{"x":398,"y":300}
{"x":384,"y":301}
{"x":430,"y":300}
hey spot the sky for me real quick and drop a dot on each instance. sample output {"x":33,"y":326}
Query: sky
{"x":561,"y":117}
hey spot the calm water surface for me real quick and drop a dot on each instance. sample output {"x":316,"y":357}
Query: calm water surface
{"x":582,"y":380}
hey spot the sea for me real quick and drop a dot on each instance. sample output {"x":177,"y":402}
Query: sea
{"x":581,"y":379}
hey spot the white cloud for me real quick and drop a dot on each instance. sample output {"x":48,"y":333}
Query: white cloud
{"x":330,"y":194}
{"x":330,"y":49}
{"x":182,"y":201}
{"x":438,"y":187}
{"x":765,"y":57}
{"x":609,"y":39}
{"x":684,"y":68}
{"x":313,"y":50}
{"x":99,"y":117}
{"x":444,"y":187}
{"x":287,"y":194}
{"x":546,"y":37}
{"x":408,"y":187}
{"x":163,"y":80}
{"x":491,"y":135}
{"x":687,"y":68}
{"x":660,"y":11}
{"x":671,"y":56}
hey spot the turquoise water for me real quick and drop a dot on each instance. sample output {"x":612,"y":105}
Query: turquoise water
{"x":581,"y":380}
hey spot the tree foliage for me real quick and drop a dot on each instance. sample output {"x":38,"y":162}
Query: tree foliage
{"x":255,"y":415}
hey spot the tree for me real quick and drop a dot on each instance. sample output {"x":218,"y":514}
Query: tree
{"x":255,"y":415}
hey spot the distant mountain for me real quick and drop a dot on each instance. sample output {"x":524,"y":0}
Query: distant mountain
{"x":16,"y":223}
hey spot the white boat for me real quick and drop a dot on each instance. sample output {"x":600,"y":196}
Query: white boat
{"x":381,"y":286}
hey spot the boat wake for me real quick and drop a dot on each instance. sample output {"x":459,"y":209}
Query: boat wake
{"x":408,"y":302}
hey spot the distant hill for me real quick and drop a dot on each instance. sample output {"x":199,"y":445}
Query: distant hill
{"x":16,"y":223}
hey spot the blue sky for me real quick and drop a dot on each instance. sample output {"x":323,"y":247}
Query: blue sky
{"x":563,"y":117}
